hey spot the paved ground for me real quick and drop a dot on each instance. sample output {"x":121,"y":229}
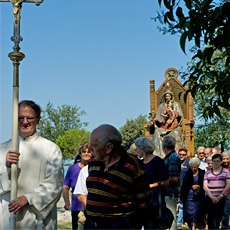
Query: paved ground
{"x":63,"y":215}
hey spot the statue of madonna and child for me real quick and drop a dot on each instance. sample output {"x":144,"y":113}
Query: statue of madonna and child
{"x":168,"y":122}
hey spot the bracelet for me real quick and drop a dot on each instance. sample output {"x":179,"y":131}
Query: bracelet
{"x":221,"y":195}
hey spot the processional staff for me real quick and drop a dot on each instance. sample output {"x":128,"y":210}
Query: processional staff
{"x":16,"y":57}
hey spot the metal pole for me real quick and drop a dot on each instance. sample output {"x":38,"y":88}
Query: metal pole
{"x":16,"y":57}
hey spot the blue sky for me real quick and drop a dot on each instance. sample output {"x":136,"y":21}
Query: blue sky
{"x":96,"y":54}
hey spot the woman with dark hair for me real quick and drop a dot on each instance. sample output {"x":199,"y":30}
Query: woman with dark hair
{"x":71,"y":180}
{"x":216,"y":185}
{"x":193,"y":202}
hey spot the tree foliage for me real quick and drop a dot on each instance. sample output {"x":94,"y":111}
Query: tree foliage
{"x":213,"y":133}
{"x":207,"y":24}
{"x":56,"y":122}
{"x":132,"y":130}
{"x":71,"y":140}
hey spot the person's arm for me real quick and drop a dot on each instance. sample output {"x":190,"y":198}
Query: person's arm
{"x":65,"y":193}
{"x":207,"y":190}
{"x":164,"y":183}
{"x":195,"y":186}
{"x":226,"y":187}
{"x":82,"y":199}
{"x":173,"y":180}
{"x":80,"y":188}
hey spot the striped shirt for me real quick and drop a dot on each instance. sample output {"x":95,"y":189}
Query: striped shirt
{"x":217,"y":182}
{"x":118,"y":191}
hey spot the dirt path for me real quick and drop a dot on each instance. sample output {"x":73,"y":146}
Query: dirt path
{"x":62,"y":214}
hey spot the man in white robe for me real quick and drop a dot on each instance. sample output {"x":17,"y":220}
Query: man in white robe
{"x":40,"y":175}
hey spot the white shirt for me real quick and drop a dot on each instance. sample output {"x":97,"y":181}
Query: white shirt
{"x":80,"y":187}
{"x":203,"y":165}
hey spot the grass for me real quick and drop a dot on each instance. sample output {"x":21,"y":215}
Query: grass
{"x":64,"y":225}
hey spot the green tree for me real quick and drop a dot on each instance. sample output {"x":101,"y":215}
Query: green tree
{"x":207,"y":24}
{"x":132,"y":130}
{"x":56,"y":122}
{"x":71,"y":140}
{"x":213,"y":133}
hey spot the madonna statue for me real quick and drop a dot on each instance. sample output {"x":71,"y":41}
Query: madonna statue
{"x":168,"y":122}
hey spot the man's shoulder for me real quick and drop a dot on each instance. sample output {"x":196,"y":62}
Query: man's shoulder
{"x":133,"y":160}
{"x":46,"y":141}
{"x":173,"y":156}
{"x":5,"y":144}
{"x":187,"y":161}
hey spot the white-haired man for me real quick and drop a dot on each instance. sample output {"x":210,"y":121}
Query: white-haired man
{"x":119,"y":196}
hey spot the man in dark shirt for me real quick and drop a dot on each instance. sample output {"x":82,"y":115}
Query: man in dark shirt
{"x":173,"y":164}
{"x":118,"y":189}
{"x":184,"y":168}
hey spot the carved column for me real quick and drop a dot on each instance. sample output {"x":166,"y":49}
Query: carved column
{"x":152,"y":90}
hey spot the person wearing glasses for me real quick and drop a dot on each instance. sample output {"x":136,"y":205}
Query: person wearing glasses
{"x":183,"y":154}
{"x":216,"y":186}
{"x":200,"y":155}
{"x":40,"y":175}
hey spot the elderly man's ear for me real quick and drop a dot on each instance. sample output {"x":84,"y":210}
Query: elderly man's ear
{"x":108,"y":147}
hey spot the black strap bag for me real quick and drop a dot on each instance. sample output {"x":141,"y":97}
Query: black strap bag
{"x":165,"y":218}
{"x":198,"y":194}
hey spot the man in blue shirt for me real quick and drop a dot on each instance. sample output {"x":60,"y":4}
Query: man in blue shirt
{"x":172,"y":161}
{"x":184,"y":168}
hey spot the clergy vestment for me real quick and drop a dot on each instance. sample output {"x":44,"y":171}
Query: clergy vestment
{"x":40,"y":179}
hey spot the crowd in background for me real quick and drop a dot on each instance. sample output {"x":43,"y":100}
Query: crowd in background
{"x":196,"y":190}
{"x":210,"y":205}
{"x":112,"y":188}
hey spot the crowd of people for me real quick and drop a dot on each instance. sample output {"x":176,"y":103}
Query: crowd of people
{"x":112,"y":187}
{"x":205,"y":189}
{"x":196,"y":190}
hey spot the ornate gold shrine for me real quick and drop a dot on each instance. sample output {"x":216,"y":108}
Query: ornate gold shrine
{"x":173,"y":84}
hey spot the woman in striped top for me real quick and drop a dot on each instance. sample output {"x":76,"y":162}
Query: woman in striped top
{"x":216,"y":185}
